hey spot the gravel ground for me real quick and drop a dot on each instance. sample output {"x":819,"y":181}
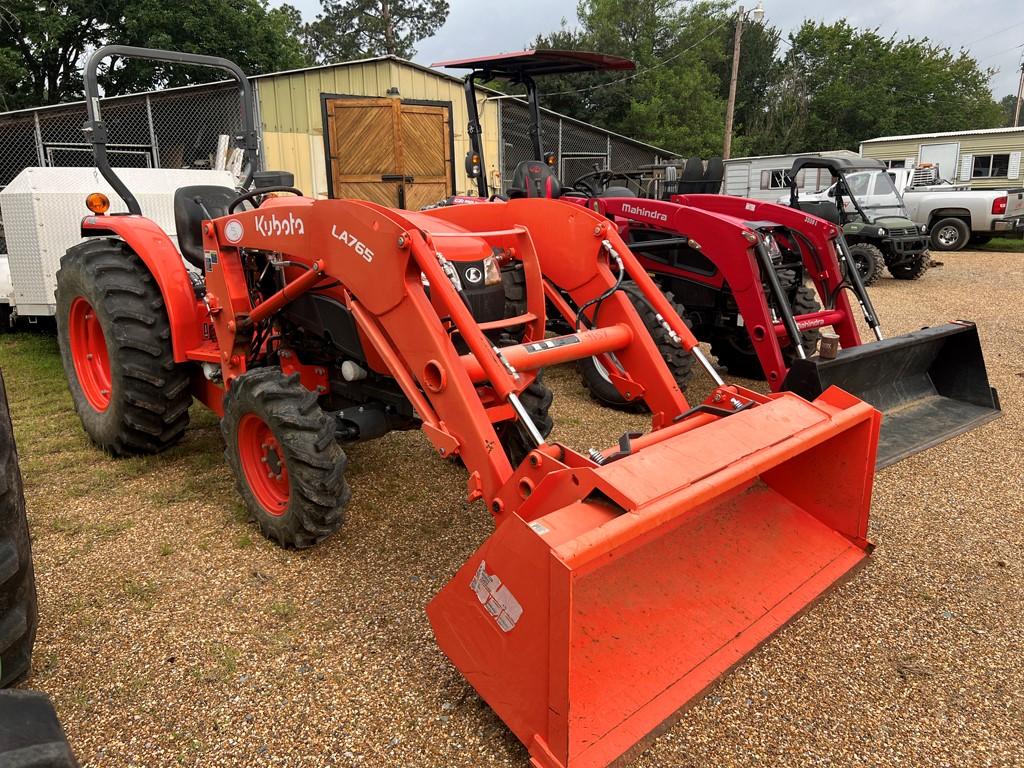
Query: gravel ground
{"x":173,"y":634}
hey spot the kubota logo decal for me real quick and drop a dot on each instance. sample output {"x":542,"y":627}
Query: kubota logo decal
{"x":271,"y":225}
{"x":234,"y":231}
{"x":636,"y":210}
{"x":352,"y":242}
{"x":496,"y":598}
{"x":474,"y":275}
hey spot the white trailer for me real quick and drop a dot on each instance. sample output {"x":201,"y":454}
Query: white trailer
{"x":764,"y":177}
{"x":42,"y":209}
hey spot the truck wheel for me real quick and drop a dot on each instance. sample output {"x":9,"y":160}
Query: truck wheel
{"x":515,"y":438}
{"x":19,"y":613}
{"x":912,"y":269}
{"x":950,"y":234}
{"x":736,"y":351}
{"x":680,"y":362}
{"x":288,"y":466}
{"x":115,"y":343}
{"x":869,"y":261}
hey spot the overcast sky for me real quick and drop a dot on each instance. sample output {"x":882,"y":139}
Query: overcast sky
{"x":993,"y":30}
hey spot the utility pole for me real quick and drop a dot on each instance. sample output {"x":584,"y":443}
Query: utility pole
{"x":730,"y":107}
{"x":1020,"y":96}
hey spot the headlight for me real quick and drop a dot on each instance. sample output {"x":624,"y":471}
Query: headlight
{"x":774,"y":252}
{"x":924,"y":229}
{"x":492,"y":272}
{"x":881,"y":231}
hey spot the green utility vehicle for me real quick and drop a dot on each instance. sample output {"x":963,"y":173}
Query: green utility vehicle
{"x":864,"y":200}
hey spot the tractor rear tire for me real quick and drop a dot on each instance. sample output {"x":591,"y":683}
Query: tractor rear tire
{"x":19,"y":612}
{"x":514,"y":436}
{"x":288,"y":466}
{"x":679,"y":361}
{"x":950,"y":234}
{"x":115,"y":343}
{"x":736,"y":351}
{"x":869,"y":261}
{"x":913,"y":269}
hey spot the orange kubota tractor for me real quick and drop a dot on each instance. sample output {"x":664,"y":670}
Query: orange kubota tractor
{"x":618,"y":584}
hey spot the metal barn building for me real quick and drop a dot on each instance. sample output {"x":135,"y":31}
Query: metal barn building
{"x":382,"y":129}
{"x":985,"y":159}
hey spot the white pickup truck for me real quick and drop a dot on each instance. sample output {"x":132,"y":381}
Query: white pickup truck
{"x":955,"y":215}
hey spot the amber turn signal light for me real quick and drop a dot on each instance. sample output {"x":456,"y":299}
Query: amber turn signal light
{"x":97,"y":202}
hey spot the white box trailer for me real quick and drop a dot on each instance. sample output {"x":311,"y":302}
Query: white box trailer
{"x":42,"y":210}
{"x":764,"y":177}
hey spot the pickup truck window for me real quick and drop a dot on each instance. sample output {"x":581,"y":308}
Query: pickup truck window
{"x":990,"y":166}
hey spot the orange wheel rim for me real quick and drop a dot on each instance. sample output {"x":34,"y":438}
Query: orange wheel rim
{"x":262,"y":460}
{"x":89,"y":354}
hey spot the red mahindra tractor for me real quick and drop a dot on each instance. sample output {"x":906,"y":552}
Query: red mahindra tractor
{"x":757,"y":281}
{"x":618,"y":583}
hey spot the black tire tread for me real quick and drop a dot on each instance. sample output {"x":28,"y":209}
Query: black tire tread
{"x":514,"y":437}
{"x":150,"y":392}
{"x":913,"y":269}
{"x":315,"y":461}
{"x":19,"y":611}
{"x":877,"y":260}
{"x":679,"y":361}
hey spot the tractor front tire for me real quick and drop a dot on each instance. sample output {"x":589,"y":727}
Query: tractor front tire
{"x":514,"y":436}
{"x":736,"y":351}
{"x":912,"y":269}
{"x":869,"y":261}
{"x":19,"y":613}
{"x":115,"y":343}
{"x":288,"y":466}
{"x":679,"y":361}
{"x":950,"y":234}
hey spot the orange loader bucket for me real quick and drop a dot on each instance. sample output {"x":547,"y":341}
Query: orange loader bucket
{"x":587,"y":625}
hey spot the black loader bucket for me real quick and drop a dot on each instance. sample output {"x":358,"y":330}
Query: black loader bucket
{"x":930,"y":385}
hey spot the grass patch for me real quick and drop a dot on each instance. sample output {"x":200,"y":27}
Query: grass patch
{"x":140,"y":590}
{"x":285,"y":610}
{"x":1001,"y":244}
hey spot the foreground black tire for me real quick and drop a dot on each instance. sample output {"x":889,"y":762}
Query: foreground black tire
{"x":31,"y":736}
{"x":869,"y":261}
{"x":288,"y":466}
{"x":949,"y":234}
{"x":115,"y":343}
{"x":19,"y":612}
{"x":913,"y":269}
{"x":680,"y":362}
{"x":514,"y":436}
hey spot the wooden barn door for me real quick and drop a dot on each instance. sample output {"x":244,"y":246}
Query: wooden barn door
{"x":389,"y":153}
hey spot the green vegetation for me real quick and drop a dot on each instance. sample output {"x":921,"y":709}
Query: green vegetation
{"x":828,"y":86}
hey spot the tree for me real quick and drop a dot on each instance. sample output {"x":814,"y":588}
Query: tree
{"x":43,"y":44}
{"x":1009,"y":106}
{"x":350,"y":29}
{"x":673,"y":99}
{"x":856,"y":84}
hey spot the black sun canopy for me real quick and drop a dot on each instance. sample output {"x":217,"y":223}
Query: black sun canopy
{"x":512,"y":66}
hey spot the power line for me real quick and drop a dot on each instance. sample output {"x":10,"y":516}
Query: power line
{"x":641,"y":72}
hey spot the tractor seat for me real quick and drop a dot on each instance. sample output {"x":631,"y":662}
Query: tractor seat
{"x":532,"y":178}
{"x":189,"y":216}
{"x":823,"y":209}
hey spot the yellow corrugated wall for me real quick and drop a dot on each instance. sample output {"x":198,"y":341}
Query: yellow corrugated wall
{"x":978,"y":144}
{"x":291,"y":114}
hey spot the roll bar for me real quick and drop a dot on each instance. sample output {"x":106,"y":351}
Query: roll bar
{"x":96,"y":129}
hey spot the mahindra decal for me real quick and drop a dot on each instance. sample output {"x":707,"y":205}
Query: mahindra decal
{"x":637,"y":210}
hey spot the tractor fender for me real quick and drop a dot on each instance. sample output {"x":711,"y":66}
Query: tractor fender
{"x":161,"y":257}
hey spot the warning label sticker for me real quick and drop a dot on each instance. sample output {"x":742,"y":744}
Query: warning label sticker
{"x":496,"y":598}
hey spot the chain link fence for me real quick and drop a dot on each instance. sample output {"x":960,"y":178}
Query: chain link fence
{"x":177,"y":128}
{"x":580,"y":148}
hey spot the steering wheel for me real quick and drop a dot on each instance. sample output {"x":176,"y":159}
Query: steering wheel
{"x":596,"y":182}
{"x":253,"y":193}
